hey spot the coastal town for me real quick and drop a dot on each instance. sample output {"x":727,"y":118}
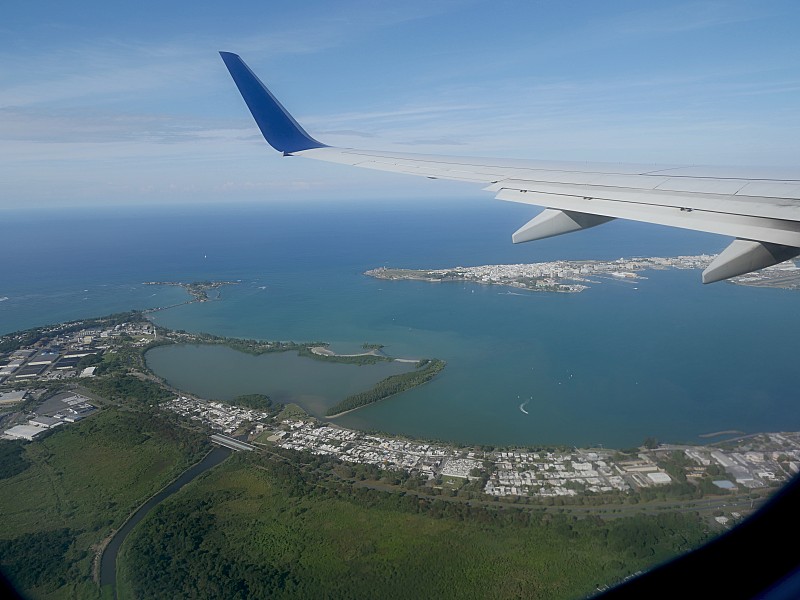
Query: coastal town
{"x":750,"y":462}
{"x":67,"y":356}
{"x":578,"y":275}
{"x":68,"y":351}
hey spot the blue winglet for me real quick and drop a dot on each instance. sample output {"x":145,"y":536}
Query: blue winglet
{"x":279,"y":128}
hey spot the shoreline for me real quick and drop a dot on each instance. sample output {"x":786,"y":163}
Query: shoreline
{"x":323,"y":351}
{"x":721,"y":433}
{"x":573,"y":276}
{"x":424,"y":372}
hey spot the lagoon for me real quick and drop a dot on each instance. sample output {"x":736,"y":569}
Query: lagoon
{"x":216,"y":372}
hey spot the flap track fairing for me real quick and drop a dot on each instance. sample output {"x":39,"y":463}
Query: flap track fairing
{"x":552,"y":222}
{"x":744,"y":256}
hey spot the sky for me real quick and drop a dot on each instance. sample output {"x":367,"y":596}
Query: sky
{"x":129,"y":103}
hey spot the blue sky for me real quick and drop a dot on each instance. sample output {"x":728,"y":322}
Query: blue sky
{"x":105,"y":103}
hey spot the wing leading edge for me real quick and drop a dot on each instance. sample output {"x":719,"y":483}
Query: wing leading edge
{"x":760,"y":210}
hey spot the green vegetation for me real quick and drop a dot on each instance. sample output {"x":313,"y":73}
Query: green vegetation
{"x":255,"y":401}
{"x":128,"y":389}
{"x":258,"y":347}
{"x":34,"y":560}
{"x":121,"y":360}
{"x":291,"y":411}
{"x":425,"y":371}
{"x":15,"y":341}
{"x":280,"y":523}
{"x":82,"y":481}
{"x":257,"y":527}
{"x":89,"y":360}
{"x":12,"y":458}
{"x":255,"y":347}
{"x":197,"y":289}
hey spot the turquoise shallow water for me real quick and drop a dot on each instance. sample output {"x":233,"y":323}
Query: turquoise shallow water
{"x":612,"y":365}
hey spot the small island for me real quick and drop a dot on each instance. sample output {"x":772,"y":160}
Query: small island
{"x":197,"y":289}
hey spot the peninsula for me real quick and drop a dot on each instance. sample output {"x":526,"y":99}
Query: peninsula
{"x":572,"y":276}
{"x":425,"y":370}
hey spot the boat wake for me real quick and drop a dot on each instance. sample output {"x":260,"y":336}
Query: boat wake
{"x":523,"y":405}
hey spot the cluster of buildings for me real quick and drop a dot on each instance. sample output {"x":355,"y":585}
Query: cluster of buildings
{"x":783,"y":275}
{"x":756,"y":461}
{"x":58,"y":354}
{"x":563,"y":275}
{"x":548,"y":474}
{"x":357,"y":447}
{"x":753,"y":462}
{"x":53,"y":412}
{"x":47,"y":363}
{"x":549,"y":276}
{"x":216,"y":415}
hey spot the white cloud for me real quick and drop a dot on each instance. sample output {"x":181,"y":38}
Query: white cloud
{"x":108,"y":118}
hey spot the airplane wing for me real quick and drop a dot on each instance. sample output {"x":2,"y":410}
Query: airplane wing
{"x":760,"y":209}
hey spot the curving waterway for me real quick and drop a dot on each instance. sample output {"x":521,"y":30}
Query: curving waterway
{"x":108,"y":562}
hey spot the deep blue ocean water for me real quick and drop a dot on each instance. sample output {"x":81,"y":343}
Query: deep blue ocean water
{"x":665,"y":357}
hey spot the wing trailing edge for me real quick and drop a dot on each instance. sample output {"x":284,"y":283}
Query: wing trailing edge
{"x":760,"y":210}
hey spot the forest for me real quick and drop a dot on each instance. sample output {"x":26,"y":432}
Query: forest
{"x":394,"y":384}
{"x":63,"y":494}
{"x":264,"y":527}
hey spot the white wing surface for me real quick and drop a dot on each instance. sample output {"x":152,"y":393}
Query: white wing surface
{"x":760,"y":208}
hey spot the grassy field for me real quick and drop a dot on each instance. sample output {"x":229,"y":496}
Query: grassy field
{"x":82,"y":481}
{"x":253,"y":528}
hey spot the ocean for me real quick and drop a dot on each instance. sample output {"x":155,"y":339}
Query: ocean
{"x":665,"y":357}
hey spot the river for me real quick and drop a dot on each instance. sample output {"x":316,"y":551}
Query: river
{"x":108,"y":562}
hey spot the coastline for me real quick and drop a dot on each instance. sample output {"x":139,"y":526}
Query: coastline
{"x":425,"y":370}
{"x":573,"y":276}
{"x":415,"y":421}
{"x":323,"y":351}
{"x":314,"y":434}
{"x":721,"y":433}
